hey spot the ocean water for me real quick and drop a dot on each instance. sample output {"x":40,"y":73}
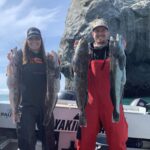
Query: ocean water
{"x":4,"y":97}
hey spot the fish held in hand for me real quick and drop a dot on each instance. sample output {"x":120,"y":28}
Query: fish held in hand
{"x":117,"y":73}
{"x":80,"y":68}
{"x":53,"y":85}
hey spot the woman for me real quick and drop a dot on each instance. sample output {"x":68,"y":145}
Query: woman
{"x":28,"y":113}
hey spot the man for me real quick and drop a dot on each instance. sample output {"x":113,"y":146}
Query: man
{"x":99,"y":107}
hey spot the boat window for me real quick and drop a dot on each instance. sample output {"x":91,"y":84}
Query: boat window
{"x":66,"y":96}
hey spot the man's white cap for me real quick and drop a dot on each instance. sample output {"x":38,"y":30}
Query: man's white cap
{"x":99,"y":23}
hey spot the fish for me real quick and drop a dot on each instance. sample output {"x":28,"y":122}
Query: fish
{"x":13,"y":80}
{"x":117,"y":73}
{"x":53,"y":85}
{"x":80,"y":69}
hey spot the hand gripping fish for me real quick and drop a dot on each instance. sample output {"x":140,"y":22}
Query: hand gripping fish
{"x":117,"y":73}
{"x":80,"y":68}
{"x":53,"y":85}
{"x":13,"y":81}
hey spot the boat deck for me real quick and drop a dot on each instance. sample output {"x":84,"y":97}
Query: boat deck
{"x":11,"y":144}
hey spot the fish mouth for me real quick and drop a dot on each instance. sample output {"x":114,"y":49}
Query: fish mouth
{"x":115,"y":117}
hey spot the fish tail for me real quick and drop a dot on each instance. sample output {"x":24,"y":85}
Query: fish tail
{"x":82,"y":120}
{"x":47,"y":118}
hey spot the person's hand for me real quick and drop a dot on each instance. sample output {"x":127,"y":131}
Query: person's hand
{"x":117,"y":45}
{"x":50,"y":55}
{"x":9,"y":70}
{"x":10,"y":55}
{"x":53,"y":56}
{"x":121,"y":41}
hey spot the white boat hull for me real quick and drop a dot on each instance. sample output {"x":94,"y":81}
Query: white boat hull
{"x":66,"y":114}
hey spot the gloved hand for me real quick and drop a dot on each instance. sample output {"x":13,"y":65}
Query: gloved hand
{"x":117,"y":45}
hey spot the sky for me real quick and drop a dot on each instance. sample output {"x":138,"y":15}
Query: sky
{"x":18,"y":15}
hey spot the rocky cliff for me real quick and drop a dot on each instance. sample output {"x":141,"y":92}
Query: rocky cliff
{"x":131,"y":18}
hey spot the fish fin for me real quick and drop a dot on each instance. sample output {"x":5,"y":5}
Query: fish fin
{"x":122,"y":62}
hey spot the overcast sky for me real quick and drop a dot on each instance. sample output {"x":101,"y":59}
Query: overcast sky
{"x":18,"y":15}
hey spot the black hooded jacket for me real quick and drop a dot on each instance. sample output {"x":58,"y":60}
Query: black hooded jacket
{"x":99,"y":52}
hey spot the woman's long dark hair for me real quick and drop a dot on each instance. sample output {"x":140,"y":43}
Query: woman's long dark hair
{"x":26,"y":52}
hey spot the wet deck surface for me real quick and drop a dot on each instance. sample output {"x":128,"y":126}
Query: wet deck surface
{"x":12,"y":145}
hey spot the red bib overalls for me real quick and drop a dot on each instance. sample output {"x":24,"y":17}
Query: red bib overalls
{"x":99,"y":111}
